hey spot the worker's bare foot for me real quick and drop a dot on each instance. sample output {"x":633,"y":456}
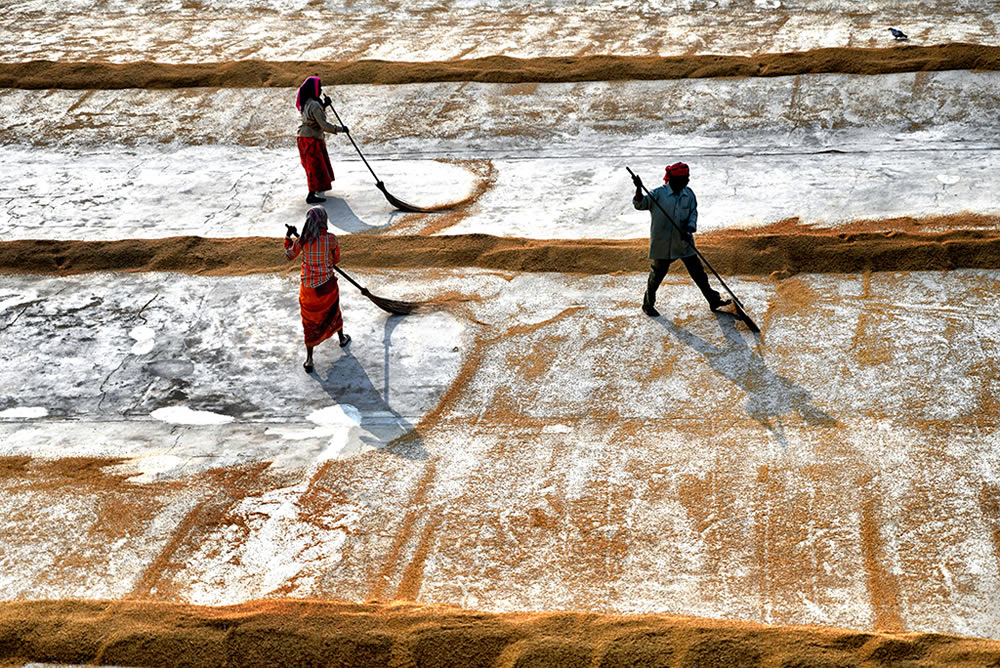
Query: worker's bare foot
{"x":308,"y":365}
{"x":344,"y":339}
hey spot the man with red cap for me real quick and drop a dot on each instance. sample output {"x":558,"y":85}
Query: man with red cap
{"x":671,"y":229}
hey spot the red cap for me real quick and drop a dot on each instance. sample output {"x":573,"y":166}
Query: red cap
{"x":676,"y":169}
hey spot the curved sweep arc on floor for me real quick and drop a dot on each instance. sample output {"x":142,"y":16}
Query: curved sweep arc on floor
{"x":393,"y":200}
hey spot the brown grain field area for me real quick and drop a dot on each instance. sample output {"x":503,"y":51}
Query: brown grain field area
{"x":139,"y":632}
{"x":44,"y":74}
{"x":781,"y":250}
{"x":323,"y":633}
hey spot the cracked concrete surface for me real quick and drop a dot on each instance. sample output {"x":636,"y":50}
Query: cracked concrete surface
{"x":228,"y":192}
{"x":235,"y":333}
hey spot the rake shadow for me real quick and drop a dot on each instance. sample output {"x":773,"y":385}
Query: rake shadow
{"x":770,"y":396}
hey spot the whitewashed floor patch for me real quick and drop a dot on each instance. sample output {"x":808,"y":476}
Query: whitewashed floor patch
{"x":545,"y":446}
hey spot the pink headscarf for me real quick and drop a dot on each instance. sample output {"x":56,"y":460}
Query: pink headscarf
{"x":310,"y":85}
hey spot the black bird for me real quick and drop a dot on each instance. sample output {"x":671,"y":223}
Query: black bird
{"x":899,"y":35}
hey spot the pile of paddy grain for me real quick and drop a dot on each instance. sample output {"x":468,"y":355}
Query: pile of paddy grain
{"x":44,"y":74}
{"x":313,"y":633}
{"x":783,"y":249}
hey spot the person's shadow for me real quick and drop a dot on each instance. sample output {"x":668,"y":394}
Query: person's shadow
{"x":343,"y":217}
{"x":769,"y":396}
{"x":347,"y":382}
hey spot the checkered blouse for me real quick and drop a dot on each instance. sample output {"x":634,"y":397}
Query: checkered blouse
{"x":318,"y":258}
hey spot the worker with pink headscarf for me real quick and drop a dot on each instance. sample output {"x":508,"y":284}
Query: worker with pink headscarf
{"x":312,"y":138}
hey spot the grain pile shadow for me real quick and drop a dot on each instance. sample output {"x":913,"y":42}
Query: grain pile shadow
{"x":770,"y":396}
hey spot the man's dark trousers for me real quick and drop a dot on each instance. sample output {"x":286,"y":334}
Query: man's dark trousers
{"x":658,"y":269}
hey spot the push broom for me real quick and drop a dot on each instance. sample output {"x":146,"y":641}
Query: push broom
{"x":737,"y":304}
{"x":390,"y":305}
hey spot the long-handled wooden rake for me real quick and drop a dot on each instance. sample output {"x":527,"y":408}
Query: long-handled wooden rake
{"x":393,"y":200}
{"x":737,"y":304}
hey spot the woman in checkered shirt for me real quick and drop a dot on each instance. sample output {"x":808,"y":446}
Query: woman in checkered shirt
{"x":319,"y":295}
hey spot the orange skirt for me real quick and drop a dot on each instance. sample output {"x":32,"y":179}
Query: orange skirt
{"x":320,"y":307}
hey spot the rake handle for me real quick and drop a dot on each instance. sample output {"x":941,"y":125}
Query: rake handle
{"x":354,"y":144}
{"x":343,"y":273}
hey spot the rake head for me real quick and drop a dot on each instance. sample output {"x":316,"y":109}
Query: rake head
{"x":391,"y":305}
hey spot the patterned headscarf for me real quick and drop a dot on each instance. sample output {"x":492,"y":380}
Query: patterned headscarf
{"x":307,"y":91}
{"x":316,"y":223}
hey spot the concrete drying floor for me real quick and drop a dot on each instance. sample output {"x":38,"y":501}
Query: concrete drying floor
{"x":539,"y":446}
{"x":534,"y":442}
{"x":538,"y":161}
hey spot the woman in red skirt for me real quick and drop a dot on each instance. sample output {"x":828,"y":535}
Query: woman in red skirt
{"x":319,"y":296}
{"x":312,"y":139}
